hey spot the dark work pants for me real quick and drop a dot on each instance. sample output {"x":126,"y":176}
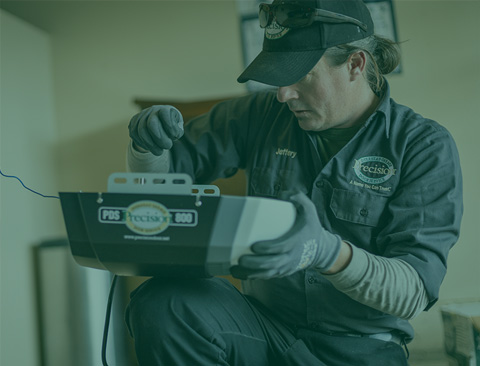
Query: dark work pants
{"x":209,"y":322}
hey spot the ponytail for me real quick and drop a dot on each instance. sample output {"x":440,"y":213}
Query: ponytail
{"x":383,"y":56}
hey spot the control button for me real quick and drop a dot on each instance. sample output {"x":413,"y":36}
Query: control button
{"x":364,"y":212}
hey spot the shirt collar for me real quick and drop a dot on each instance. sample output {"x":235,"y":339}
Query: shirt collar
{"x":383,"y":110}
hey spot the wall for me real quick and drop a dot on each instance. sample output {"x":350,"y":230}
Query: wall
{"x":180,"y":50}
{"x":440,"y":81}
{"x":28,"y":135}
{"x":107,"y":53}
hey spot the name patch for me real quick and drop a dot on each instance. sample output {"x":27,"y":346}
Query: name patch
{"x":286,"y":152}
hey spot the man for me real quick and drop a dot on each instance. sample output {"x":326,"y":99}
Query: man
{"x":377,"y":188}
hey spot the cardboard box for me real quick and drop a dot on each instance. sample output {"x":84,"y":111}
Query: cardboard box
{"x":461,"y":323}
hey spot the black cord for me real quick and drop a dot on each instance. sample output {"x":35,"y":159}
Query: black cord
{"x":24,"y":186}
{"x":107,"y":320}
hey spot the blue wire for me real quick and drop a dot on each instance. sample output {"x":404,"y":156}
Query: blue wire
{"x":24,"y":186}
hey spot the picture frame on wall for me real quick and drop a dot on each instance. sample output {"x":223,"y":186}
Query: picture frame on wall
{"x":384,"y":19}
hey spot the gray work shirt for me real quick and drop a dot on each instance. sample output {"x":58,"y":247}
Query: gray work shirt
{"x":395,"y":190}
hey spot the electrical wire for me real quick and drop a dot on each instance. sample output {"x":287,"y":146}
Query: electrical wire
{"x":107,"y":320}
{"x":24,"y":186}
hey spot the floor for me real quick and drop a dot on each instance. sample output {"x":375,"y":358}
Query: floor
{"x":429,"y":363}
{"x":437,"y":359}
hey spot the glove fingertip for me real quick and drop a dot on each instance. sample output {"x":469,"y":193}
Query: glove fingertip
{"x":176,"y":116}
{"x":260,"y":247}
{"x":245,"y":260}
{"x":286,"y":195}
{"x":156,"y":152}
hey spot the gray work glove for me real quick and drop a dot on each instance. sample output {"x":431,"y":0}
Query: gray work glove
{"x":154,"y":129}
{"x":307,"y":244}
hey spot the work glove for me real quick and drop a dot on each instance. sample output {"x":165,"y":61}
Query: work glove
{"x":154,"y":129}
{"x":306,"y":245}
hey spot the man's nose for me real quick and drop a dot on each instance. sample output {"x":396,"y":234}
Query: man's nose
{"x":286,"y":93}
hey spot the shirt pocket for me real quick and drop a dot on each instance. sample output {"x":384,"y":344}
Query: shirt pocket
{"x":270,"y":182}
{"x":359,"y":208}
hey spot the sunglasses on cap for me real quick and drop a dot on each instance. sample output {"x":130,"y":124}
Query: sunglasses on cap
{"x":290,"y":15}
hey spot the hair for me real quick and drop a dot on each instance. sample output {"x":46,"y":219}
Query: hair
{"x":383,"y":56}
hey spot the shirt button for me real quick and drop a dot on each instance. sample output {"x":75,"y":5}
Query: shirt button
{"x":320,"y":184}
{"x":311,"y":280}
{"x":314,"y":325}
{"x":364,"y":212}
{"x":277,"y":187}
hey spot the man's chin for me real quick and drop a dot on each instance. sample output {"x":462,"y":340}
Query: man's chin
{"x":308,"y":124}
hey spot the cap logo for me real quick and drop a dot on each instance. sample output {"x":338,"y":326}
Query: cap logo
{"x":275,"y":31}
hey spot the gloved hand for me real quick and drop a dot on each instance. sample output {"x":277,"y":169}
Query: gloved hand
{"x":306,"y":244}
{"x":154,"y":129}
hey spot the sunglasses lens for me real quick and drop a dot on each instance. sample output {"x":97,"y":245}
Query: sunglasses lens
{"x":291,"y":16}
{"x":295,"y":16}
{"x":264,"y":14}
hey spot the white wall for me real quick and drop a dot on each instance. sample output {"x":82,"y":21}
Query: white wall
{"x":440,"y":81}
{"x":106,"y":54}
{"x":28,"y":134}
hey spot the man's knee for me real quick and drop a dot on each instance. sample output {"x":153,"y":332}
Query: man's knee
{"x":160,"y":303}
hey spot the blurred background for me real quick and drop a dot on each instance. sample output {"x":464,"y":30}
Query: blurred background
{"x":70,"y":73}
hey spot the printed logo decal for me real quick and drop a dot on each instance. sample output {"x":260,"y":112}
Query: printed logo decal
{"x":275,"y":31}
{"x":147,"y":217}
{"x":374,"y":169}
{"x":286,"y":152}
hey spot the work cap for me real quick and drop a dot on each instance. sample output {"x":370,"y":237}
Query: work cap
{"x":288,"y":54}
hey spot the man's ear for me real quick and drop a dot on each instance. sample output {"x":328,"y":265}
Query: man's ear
{"x":356,"y":64}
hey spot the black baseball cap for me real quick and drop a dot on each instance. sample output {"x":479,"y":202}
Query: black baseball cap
{"x":288,"y":54}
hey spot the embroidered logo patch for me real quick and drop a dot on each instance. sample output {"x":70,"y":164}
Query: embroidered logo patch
{"x":275,"y":31}
{"x":374,"y":169}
